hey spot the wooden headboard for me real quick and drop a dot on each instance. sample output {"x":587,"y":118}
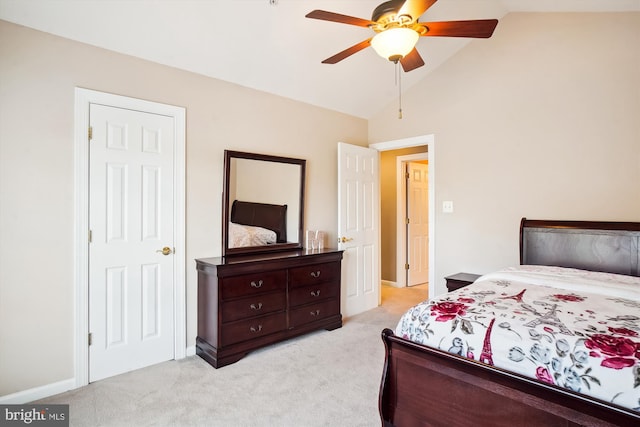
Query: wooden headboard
{"x":612,"y":247}
{"x":272,"y":217}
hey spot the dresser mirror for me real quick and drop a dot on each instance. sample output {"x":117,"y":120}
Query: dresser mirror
{"x":263,"y":203}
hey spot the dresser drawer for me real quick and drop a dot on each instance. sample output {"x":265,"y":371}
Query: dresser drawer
{"x":253,"y":328}
{"x":313,"y":312}
{"x":252,"y":284}
{"x":313,"y":293}
{"x":252,"y":306}
{"x":313,"y":274}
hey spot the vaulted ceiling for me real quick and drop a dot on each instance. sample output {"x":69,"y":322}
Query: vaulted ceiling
{"x":269,"y":45}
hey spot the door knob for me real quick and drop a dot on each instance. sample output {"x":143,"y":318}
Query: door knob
{"x":165,"y":251}
{"x":344,"y":239}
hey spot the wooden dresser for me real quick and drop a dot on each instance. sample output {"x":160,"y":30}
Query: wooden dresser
{"x":251,"y":301}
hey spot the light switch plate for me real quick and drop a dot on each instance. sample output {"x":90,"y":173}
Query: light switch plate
{"x":447,"y":206}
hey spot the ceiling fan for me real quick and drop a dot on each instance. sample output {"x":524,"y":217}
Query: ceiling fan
{"x":397,"y":29}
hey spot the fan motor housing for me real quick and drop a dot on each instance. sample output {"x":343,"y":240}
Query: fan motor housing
{"x":386,"y":12}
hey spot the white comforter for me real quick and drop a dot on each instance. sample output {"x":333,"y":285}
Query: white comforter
{"x":247,"y":235}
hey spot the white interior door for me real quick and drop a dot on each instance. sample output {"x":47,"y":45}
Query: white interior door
{"x":131,"y":208}
{"x":418,"y":223}
{"x":358,"y":227}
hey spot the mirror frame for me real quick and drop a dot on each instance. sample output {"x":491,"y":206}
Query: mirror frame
{"x":226,"y":205}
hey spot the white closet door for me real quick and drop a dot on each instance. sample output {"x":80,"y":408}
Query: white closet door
{"x":131,"y":208}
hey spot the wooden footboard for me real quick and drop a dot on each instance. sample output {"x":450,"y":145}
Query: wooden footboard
{"x":422,"y":386}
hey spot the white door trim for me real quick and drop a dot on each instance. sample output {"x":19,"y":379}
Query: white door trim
{"x":401,"y":209}
{"x":83,"y":98}
{"x":429,"y":141}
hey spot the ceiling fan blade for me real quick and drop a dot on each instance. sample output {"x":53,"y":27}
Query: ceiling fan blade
{"x":336,"y":17}
{"x":415,"y":8}
{"x":411,"y":61}
{"x":480,"y":28}
{"x":348,"y":52}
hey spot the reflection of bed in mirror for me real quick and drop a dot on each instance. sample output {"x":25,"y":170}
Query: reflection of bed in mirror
{"x":257,"y":224}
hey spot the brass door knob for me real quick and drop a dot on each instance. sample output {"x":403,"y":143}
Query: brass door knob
{"x":165,"y":251}
{"x":344,"y":239}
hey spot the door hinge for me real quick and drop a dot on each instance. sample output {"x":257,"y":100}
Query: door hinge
{"x":90,"y":236}
{"x":90,"y":338}
{"x":90,"y":133}
{"x":406,"y":221}
{"x":406,"y":266}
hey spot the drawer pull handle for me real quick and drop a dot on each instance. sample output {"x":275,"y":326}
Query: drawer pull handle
{"x":315,"y":274}
{"x":315,"y":293}
{"x":256,"y":307}
{"x":315,"y":313}
{"x":256,"y":329}
{"x":256,"y":285}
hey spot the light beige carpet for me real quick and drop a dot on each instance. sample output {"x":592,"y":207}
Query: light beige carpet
{"x":326,"y":378}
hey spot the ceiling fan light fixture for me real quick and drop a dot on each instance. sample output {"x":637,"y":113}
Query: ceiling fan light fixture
{"x":395,"y":43}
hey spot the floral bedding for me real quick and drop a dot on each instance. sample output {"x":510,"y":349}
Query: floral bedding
{"x":248,"y":235}
{"x":575,"y":329}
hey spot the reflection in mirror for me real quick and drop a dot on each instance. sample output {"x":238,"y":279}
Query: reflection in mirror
{"x":263,"y":203}
{"x":267,"y":196}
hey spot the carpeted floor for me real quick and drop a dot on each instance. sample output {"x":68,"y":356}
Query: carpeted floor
{"x":326,"y":378}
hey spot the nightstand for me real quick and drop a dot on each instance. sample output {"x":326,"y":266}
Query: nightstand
{"x":460,"y":280}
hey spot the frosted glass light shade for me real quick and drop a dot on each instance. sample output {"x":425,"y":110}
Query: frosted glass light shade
{"x":395,"y":43}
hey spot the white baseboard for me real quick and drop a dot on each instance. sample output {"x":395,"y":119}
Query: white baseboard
{"x":390,"y":283}
{"x":38,"y":393}
{"x":41,"y":392}
{"x":191,"y":351}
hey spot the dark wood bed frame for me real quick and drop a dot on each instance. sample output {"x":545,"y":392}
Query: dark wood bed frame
{"x":423,"y":386}
{"x":265,"y":215}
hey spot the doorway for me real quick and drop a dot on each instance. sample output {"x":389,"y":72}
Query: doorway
{"x":124,"y":113}
{"x":429,"y":142}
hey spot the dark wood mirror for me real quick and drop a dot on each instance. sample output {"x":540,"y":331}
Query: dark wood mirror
{"x":263,"y":203}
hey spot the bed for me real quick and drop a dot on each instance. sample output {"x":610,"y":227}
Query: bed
{"x":554,"y":375}
{"x":257,"y":224}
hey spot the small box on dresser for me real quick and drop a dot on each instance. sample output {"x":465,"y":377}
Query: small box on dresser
{"x":248,"y":302}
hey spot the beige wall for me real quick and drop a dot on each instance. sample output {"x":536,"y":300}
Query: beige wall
{"x":389,"y":214}
{"x":38,"y":74}
{"x":540,"y":121}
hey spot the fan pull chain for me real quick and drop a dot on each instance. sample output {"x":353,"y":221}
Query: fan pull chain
{"x":399,"y":83}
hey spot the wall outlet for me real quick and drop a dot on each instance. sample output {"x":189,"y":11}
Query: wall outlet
{"x":447,"y":206}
